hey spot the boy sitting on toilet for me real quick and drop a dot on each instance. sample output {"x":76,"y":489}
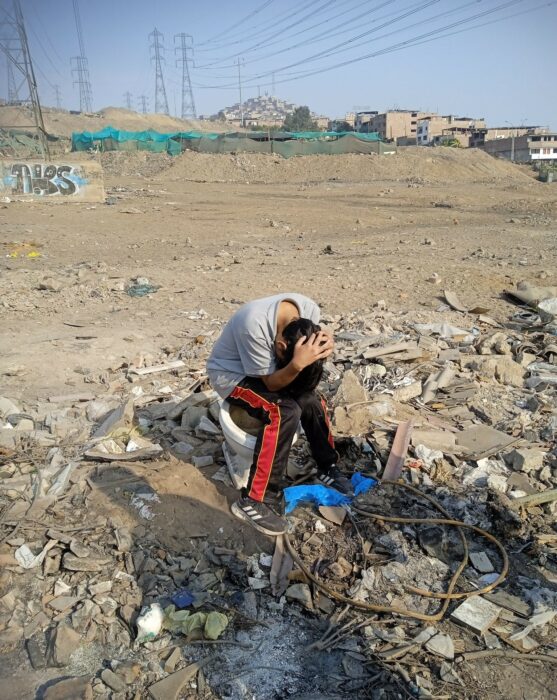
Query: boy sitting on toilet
{"x":269,"y":360}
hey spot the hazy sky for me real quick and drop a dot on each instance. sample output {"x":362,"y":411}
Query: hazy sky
{"x":502,"y":70}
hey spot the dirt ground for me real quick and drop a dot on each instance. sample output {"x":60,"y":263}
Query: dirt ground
{"x":212,"y":232}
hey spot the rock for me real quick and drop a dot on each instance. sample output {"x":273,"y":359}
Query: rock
{"x":128,"y":670}
{"x":63,"y":602}
{"x":477,"y":613}
{"x":172,"y":660}
{"x":62,"y":644}
{"x":124,"y":540}
{"x":100,"y":588}
{"x":350,"y":391}
{"x":120,"y":417}
{"x":8,"y":407}
{"x":526,"y":459}
{"x":113,"y":681}
{"x":498,"y":342}
{"x":79,"y":549}
{"x":49,"y":284}
{"x":193,"y":415}
{"x":202,"y":461}
{"x":442,"y":645}
{"x":407,"y":392}
{"x":182,"y":450}
{"x":359,"y":419}
{"x":36,"y":656}
{"x":169,"y":687}
{"x":206,"y":425}
{"x":73,"y":563}
{"x":481,"y":562}
{"x":70,"y":689}
{"x":376,"y":370}
{"x":300,"y":593}
{"x":435,"y":278}
{"x":509,"y":372}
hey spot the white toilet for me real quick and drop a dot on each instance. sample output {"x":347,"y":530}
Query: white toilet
{"x":240,"y":431}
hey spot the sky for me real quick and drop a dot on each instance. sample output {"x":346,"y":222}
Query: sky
{"x":502,"y":67}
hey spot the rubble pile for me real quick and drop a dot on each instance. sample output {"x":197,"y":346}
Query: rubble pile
{"x":461,"y":407}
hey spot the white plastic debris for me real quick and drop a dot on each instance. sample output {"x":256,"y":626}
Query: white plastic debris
{"x":27,"y":559}
{"x":149,"y":622}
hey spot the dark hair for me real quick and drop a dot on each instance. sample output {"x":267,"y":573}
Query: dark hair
{"x":310,"y":376}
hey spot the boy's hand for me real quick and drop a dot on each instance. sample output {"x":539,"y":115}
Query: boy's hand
{"x":307,"y":350}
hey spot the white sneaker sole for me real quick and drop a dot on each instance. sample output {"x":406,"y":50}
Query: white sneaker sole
{"x":239,"y":513}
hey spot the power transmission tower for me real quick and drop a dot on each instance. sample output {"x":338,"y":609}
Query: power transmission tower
{"x":161,"y":101}
{"x":188,"y":103}
{"x":16,"y":49}
{"x":58,"y":97}
{"x":81,"y":67}
{"x":128,"y":97}
{"x":13,"y":97}
{"x":143,"y":100}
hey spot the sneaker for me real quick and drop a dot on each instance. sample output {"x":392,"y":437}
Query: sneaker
{"x":335,"y":479}
{"x":259,"y":515}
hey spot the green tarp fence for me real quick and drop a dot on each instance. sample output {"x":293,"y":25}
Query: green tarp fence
{"x":286,"y":144}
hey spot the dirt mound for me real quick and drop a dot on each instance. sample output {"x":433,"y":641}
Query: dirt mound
{"x":61,"y":123}
{"x":134,"y":163}
{"x":421,"y":165}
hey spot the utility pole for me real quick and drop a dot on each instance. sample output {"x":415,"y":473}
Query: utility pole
{"x":16,"y":50}
{"x":240,"y":91}
{"x":81,"y":67}
{"x":143,"y":100}
{"x":58,"y":97}
{"x":273,"y":85}
{"x":128,"y":97}
{"x":188,"y":103}
{"x":161,"y":101}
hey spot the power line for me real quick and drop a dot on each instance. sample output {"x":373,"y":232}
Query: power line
{"x":161,"y":100}
{"x":188,"y":103}
{"x":239,"y":22}
{"x":413,"y":41}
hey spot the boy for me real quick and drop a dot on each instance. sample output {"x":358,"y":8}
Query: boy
{"x":269,"y":360}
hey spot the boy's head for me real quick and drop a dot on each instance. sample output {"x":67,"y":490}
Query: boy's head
{"x":310,"y":376}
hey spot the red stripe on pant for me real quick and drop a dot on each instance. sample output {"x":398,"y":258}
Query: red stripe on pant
{"x":328,"y":423}
{"x":268,"y":449}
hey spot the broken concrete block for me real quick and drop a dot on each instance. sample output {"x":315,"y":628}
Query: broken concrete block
{"x":172,"y":660}
{"x":120,"y":417}
{"x":202,"y":461}
{"x":407,"y":392}
{"x":63,"y":602}
{"x":442,"y":645}
{"x":300,"y":593}
{"x":526,"y":459}
{"x":73,"y":563}
{"x":62,"y":644}
{"x":481,"y":562}
{"x":441,"y":440}
{"x":476,"y":613}
{"x":8,"y":407}
{"x":182,"y":450}
{"x":350,"y":391}
{"x":114,"y":682}
{"x":169,"y":687}
{"x":70,"y":689}
{"x":192,"y":416}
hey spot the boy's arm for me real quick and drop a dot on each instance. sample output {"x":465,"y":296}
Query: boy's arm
{"x":307,"y":350}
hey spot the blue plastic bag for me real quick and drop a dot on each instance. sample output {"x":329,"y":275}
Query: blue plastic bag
{"x":182,"y":598}
{"x":320,"y":495}
{"x":362,"y":484}
{"x":317,"y":494}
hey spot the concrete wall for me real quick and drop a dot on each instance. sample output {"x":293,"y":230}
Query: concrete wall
{"x":57,"y":180}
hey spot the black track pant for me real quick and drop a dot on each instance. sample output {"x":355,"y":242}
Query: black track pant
{"x":281,"y":415}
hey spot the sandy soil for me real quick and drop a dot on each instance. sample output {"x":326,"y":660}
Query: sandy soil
{"x":213,"y":232}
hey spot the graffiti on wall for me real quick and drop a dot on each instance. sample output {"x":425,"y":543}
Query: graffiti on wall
{"x":43,"y":179}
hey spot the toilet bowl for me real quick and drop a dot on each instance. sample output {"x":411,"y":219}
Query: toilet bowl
{"x":240,"y":434}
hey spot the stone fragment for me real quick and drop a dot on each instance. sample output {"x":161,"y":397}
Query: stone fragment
{"x":300,"y":593}
{"x":477,"y":613}
{"x":73,"y":563}
{"x":63,"y":602}
{"x":79,"y":549}
{"x":481,"y":562}
{"x":70,"y":689}
{"x":442,"y":645}
{"x":526,"y":459}
{"x":113,"y":681}
{"x":128,"y":670}
{"x":124,"y":539}
{"x":169,"y":687}
{"x":174,"y":657}
{"x":100,"y":588}
{"x":202,"y":461}
{"x":62,"y":644}
{"x":182,"y":450}
{"x":8,"y":407}
{"x":350,"y":390}
{"x":36,"y":656}
{"x":206,"y":425}
{"x":192,"y":416}
{"x":408,"y":392}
